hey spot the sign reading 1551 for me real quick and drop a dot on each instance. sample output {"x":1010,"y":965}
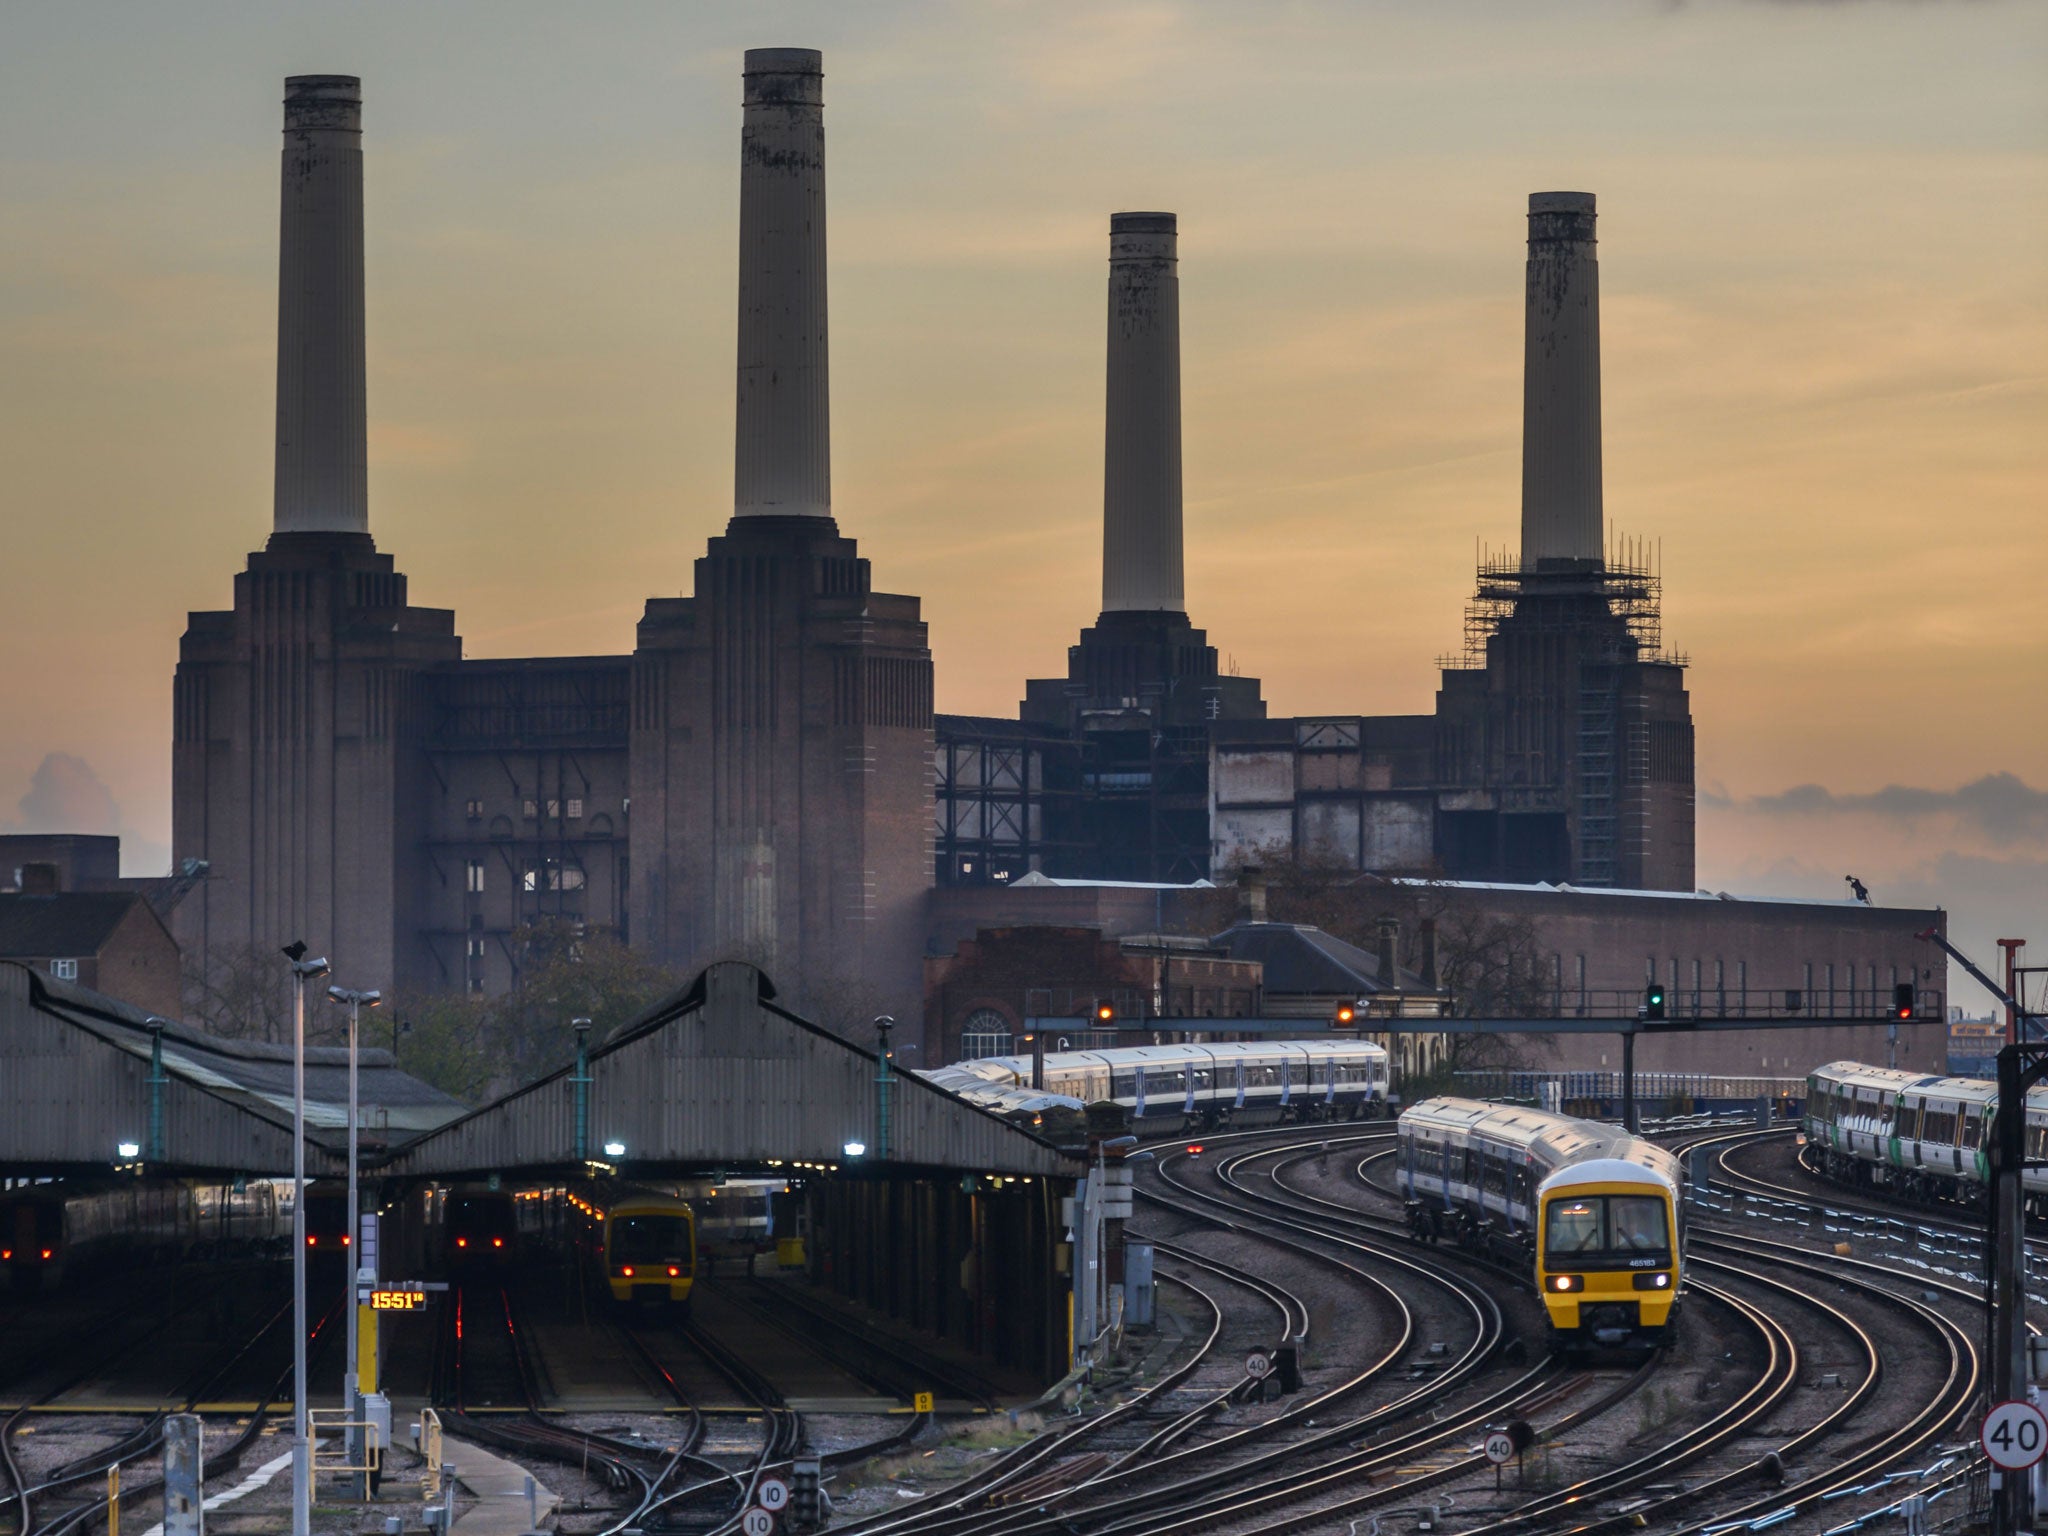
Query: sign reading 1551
{"x":397,"y":1301}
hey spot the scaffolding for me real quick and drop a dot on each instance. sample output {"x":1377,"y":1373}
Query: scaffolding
{"x":1627,"y":584}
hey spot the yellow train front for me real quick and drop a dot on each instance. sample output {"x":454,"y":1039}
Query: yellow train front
{"x":1608,"y":1257}
{"x":646,"y":1246}
{"x":1597,"y":1210}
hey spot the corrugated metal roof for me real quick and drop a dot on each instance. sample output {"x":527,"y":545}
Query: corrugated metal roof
{"x":75,"y":1086}
{"x":716,"y":1076}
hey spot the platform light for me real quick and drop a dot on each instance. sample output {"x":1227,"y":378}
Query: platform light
{"x":129,"y":1149}
{"x":855,"y":1149}
{"x":615,"y":1149}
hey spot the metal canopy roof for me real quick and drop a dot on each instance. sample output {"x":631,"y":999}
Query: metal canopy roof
{"x":718,"y":1076}
{"x":74,"y":1085}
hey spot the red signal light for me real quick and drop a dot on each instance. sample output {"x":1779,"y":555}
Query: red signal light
{"x":344,"y":1242}
{"x":46,"y":1253}
{"x":6,"y":1254}
{"x":497,"y":1242}
{"x":1194,"y":1149}
{"x":312,"y":1241}
{"x":462,"y":1242}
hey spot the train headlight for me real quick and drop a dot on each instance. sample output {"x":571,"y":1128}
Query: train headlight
{"x":1567,"y":1282}
{"x":1657,"y":1282}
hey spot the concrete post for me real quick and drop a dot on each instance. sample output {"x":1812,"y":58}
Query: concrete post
{"x":184,"y":1462}
{"x":1562,"y":514}
{"x":1141,"y":492}
{"x":783,"y":453}
{"x":322,"y":442}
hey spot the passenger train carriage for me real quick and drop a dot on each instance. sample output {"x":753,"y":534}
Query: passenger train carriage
{"x":1240,"y":1082}
{"x":1918,"y":1135}
{"x":1600,"y":1212}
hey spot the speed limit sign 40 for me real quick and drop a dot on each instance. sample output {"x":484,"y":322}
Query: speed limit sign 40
{"x":2014,"y":1436}
{"x":1499,"y":1447}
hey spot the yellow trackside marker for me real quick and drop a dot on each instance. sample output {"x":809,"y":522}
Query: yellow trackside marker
{"x":922,"y":1402}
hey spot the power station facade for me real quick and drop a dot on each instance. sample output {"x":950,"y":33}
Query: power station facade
{"x":763,"y":776}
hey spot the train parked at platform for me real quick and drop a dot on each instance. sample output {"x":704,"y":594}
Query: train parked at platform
{"x":1599,"y":1213}
{"x":1914,"y":1135}
{"x":479,"y":1230}
{"x":1155,"y":1086}
{"x":51,"y":1233}
{"x":638,"y":1243}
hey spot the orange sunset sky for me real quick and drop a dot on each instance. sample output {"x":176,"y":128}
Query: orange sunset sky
{"x":1824,"y":263}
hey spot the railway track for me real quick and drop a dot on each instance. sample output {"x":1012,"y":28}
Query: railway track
{"x":1799,"y":1279}
{"x":141,"y":1442}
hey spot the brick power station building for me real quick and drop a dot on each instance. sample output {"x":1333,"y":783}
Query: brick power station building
{"x":762,"y":774}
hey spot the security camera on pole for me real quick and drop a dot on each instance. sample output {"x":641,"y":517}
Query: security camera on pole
{"x":303,"y":971}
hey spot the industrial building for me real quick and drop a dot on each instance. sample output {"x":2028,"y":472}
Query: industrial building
{"x":762,"y":775}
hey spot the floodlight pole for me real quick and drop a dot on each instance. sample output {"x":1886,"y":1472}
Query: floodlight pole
{"x":351,"y":1249}
{"x":303,"y":971}
{"x":883,"y":1024}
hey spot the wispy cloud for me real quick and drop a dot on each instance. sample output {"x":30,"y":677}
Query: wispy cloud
{"x":2001,"y":806}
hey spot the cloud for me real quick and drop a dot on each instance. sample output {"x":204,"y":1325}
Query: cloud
{"x":2000,"y":805}
{"x":66,"y":795}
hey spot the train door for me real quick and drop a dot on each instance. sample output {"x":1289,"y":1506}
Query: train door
{"x":1138,"y":1098}
{"x":1239,"y":1102}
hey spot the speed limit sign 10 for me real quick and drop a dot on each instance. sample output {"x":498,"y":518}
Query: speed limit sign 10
{"x":2014,"y":1436}
{"x":757,"y":1522}
{"x":1499,"y":1447}
{"x":773,"y":1494}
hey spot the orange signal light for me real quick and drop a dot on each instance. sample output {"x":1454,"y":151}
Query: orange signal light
{"x":1345,"y":1014}
{"x":497,"y":1242}
{"x":462,"y":1242}
{"x":46,"y":1253}
{"x":627,"y":1271}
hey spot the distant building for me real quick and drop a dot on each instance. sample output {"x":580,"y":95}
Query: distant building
{"x":108,"y":941}
{"x":1974,"y":1044}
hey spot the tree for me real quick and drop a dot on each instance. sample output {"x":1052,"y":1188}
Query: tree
{"x":474,"y":1048}
{"x":245,"y":994}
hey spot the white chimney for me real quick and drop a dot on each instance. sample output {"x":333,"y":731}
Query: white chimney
{"x":322,"y":444}
{"x":783,"y":454}
{"x":1562,"y":515}
{"x":1141,"y":541}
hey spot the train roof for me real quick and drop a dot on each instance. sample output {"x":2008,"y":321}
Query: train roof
{"x":1555,"y":1141}
{"x":1890,"y":1080}
{"x":1611,"y":1170}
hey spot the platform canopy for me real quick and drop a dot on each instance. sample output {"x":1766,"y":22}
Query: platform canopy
{"x":75,"y":1087}
{"x":718,"y":1077}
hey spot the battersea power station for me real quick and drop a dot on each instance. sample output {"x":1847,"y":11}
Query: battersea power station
{"x":760,"y":773}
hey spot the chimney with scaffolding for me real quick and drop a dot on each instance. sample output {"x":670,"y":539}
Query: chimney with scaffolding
{"x":1564,"y":729}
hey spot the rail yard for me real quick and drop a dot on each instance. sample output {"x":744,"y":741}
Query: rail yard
{"x":1347,"y":1335}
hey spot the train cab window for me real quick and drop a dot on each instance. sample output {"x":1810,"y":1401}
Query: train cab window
{"x":1574,"y":1227}
{"x":1636,"y":1223}
{"x":650,"y":1239}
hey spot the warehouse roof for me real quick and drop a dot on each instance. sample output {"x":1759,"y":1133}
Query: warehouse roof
{"x":64,"y":924}
{"x":719,"y":1076}
{"x":227,"y":1103}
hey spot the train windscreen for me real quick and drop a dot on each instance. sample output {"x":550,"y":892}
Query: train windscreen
{"x":650,"y":1239}
{"x":1595,"y":1225}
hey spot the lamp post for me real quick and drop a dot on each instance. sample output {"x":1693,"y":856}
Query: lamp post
{"x":398,"y":1029}
{"x":355,"y":1002}
{"x":303,"y":971}
{"x":883,"y":1024}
